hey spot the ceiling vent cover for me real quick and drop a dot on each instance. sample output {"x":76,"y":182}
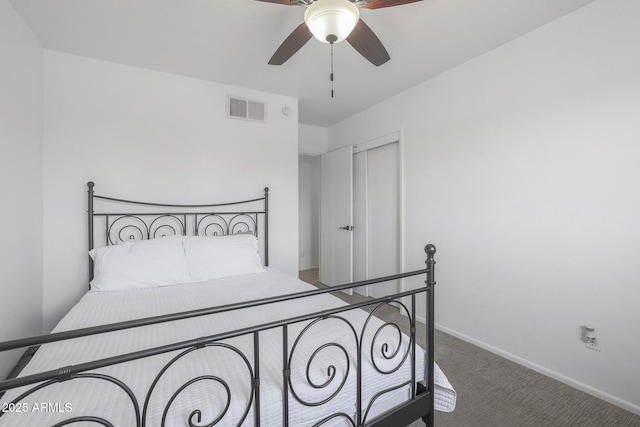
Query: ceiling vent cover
{"x":240,"y":108}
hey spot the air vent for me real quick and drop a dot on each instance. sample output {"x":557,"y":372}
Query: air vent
{"x":239,"y":108}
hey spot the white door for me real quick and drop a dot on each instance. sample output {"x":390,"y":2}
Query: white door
{"x":360,"y":221}
{"x":383,"y":217}
{"x":336,"y":207}
{"x":377,"y":216}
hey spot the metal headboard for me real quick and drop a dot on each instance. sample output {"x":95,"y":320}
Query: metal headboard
{"x":150,"y":220}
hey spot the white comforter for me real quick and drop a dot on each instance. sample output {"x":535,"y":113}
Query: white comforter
{"x":100,"y":398}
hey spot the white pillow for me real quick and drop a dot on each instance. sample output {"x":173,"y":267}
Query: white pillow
{"x":222,"y":256}
{"x":140,"y":264}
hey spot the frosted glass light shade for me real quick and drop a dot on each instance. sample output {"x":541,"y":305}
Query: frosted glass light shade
{"x":331,"y":20}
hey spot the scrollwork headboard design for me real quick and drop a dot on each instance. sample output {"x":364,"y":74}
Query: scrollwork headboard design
{"x":146,"y":220}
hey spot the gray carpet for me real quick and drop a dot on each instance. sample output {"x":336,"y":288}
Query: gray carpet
{"x":495,"y":392}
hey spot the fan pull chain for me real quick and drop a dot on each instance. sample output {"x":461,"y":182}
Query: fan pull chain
{"x":331,"y":75}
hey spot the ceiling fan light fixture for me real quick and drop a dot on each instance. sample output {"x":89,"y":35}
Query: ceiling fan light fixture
{"x":331,"y":21}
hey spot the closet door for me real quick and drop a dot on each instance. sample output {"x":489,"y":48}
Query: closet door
{"x":383,"y":216}
{"x":361,"y":215}
{"x":360,"y":221}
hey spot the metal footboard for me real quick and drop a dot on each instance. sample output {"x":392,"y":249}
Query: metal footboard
{"x":419,"y":405}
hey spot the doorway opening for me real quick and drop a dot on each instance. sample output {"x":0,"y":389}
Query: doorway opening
{"x":309,"y":214}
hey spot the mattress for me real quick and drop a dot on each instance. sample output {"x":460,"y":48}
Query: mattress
{"x":225,"y":375}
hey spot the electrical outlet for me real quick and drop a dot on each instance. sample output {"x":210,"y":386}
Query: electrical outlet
{"x":589,"y":337}
{"x":593,"y":345}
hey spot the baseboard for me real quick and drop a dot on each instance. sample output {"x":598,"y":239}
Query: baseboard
{"x":548,"y":372}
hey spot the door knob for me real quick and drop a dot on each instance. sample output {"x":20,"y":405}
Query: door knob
{"x":347,"y":227}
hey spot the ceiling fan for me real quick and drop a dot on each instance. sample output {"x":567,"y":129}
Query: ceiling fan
{"x":332,"y":21}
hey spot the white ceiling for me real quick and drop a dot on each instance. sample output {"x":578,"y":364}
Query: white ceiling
{"x":230,"y":41}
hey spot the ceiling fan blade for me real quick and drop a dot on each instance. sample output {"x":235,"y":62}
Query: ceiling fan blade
{"x":364,"y":40}
{"x":277,"y":1}
{"x":298,"y":38}
{"x":378,"y":4}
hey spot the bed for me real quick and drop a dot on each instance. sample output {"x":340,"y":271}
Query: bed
{"x":185,"y":324}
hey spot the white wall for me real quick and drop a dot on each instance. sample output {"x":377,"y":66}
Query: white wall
{"x":308,"y":218}
{"x":312,"y":140}
{"x":20,"y":182}
{"x":522,"y":167}
{"x":161,"y":137}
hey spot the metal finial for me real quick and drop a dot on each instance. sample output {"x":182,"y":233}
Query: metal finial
{"x":430,"y":250}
